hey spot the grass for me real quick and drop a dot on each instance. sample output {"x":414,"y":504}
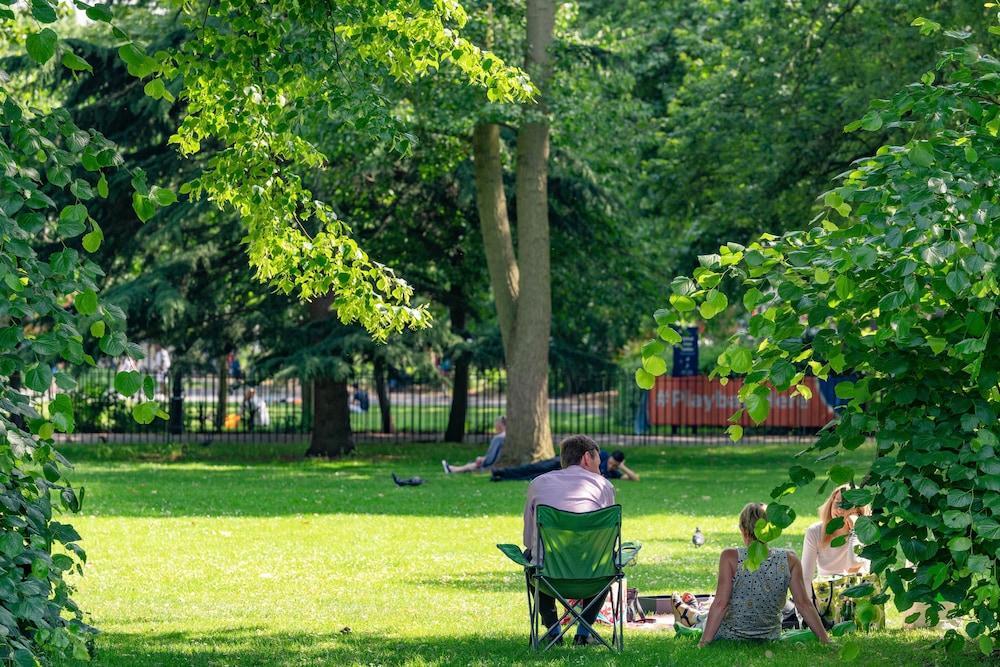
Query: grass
{"x":249,"y":556}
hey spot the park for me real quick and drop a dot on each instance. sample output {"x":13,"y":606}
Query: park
{"x":490,"y":332}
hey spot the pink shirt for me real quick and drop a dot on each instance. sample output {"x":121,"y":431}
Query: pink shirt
{"x":572,"y":489}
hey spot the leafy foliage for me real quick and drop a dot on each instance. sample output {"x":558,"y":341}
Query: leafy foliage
{"x":895,"y":282}
{"x":52,"y":169}
{"x":252,"y":84}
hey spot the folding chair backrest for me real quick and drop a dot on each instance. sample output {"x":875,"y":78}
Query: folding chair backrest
{"x":579,"y":546}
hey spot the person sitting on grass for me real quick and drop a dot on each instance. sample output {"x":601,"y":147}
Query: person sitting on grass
{"x":748,"y":605}
{"x":577,"y":487}
{"x":612,"y":466}
{"x":486,"y":461}
{"x":819,"y":555}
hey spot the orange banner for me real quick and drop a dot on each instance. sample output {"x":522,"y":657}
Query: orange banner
{"x":698,"y":401}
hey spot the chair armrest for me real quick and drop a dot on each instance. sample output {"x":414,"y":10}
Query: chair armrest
{"x":513,"y":552}
{"x":629,"y":551}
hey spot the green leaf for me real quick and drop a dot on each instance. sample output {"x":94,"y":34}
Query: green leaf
{"x":644,"y":379}
{"x":841,"y":474}
{"x":740,"y":359}
{"x":162,"y":196}
{"x":780,"y":515}
{"x":936,"y":344}
{"x":128,"y":382}
{"x":959,"y":498}
{"x":757,"y":553}
{"x":92,"y":240}
{"x":833,"y":525}
{"x":844,"y":390}
{"x":838,"y":541}
{"x":859,"y":591}
{"x":801,"y":475}
{"x":922,"y":154}
{"x":145,"y":412}
{"x":143,"y":207}
{"x":72,"y":220}
{"x":766,"y":531}
{"x":715,"y":302}
{"x":758,"y":407}
{"x":102,"y":186}
{"x":821,"y":276}
{"x":985,"y":645}
{"x":139,"y":64}
{"x":956,"y":520}
{"x":866,"y":530}
{"x":41,"y":46}
{"x":654,"y":365}
{"x":38,"y":377}
{"x":97,"y":329}
{"x":43,"y":11}
{"x":871,"y":121}
{"x":682,"y":303}
{"x":753,"y":297}
{"x":735,"y":432}
{"x":75,"y":62}
{"x":669,"y":335}
{"x":960,"y":543}
{"x":86,"y":302}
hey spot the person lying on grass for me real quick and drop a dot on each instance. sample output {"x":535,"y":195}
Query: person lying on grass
{"x":748,"y":604}
{"x":612,"y":466}
{"x":486,"y":461}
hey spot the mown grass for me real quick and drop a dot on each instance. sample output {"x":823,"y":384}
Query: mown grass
{"x":248,"y":555}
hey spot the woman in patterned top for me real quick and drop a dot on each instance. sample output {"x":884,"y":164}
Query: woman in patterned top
{"x":748,"y":604}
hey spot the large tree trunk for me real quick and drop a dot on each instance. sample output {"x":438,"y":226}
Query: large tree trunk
{"x":521,"y":282}
{"x":455,"y":432}
{"x":331,"y":432}
{"x":382,"y":392}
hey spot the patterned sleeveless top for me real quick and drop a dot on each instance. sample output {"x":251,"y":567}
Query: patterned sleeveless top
{"x":758,"y":598}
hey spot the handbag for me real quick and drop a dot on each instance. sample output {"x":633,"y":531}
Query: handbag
{"x":834,"y":607}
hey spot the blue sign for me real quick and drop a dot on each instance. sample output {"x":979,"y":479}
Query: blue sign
{"x":686,"y":354}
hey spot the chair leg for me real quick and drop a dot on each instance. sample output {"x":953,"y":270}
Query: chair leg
{"x":578,"y":617}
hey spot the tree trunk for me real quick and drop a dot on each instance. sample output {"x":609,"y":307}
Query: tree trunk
{"x":455,"y":432}
{"x":331,"y":432}
{"x":521,"y":283}
{"x":222,"y":398}
{"x":382,"y":391}
{"x":307,"y":404}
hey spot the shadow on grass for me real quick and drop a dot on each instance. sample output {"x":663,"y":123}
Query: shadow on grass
{"x":256,"y":646}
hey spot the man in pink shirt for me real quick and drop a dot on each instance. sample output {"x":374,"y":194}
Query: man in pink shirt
{"x":577,"y":487}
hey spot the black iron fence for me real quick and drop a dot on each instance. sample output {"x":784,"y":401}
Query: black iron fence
{"x":605,"y":404}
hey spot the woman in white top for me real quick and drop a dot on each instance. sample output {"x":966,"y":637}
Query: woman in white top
{"x":818,"y":557}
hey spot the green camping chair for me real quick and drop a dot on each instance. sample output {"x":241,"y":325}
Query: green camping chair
{"x":580,"y":555}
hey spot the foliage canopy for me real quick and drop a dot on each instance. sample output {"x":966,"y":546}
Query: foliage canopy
{"x":895,"y":282}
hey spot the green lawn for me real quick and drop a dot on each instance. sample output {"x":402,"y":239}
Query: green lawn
{"x":202,"y":556}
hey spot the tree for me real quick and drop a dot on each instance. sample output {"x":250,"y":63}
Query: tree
{"x":752,"y":117}
{"x":521,"y":279}
{"x":52,"y":168}
{"x":895,"y":282}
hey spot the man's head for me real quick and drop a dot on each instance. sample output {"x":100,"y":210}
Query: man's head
{"x":500,"y":425}
{"x":616,"y":459}
{"x":250,"y":392}
{"x":579,"y":450}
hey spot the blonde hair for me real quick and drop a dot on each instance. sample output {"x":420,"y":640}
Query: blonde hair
{"x":826,"y":512}
{"x":749,"y":515}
